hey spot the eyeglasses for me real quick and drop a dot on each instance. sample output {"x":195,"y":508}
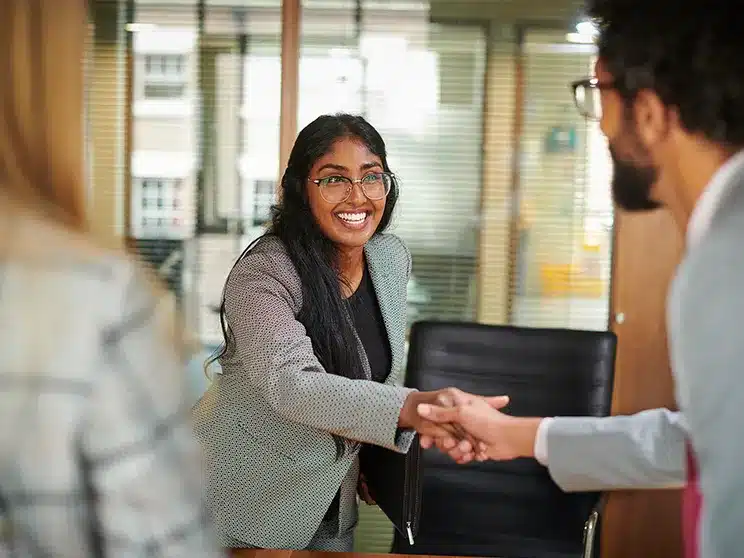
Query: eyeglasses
{"x":587,"y":97}
{"x":337,"y":188}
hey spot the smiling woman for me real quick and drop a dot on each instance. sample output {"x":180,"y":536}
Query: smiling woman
{"x":337,"y":189}
{"x":314,"y":320}
{"x":349,"y":210}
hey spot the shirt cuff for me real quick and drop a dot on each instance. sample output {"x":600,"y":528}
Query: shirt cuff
{"x":541,"y":441}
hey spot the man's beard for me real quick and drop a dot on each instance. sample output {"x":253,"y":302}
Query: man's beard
{"x":632,"y":184}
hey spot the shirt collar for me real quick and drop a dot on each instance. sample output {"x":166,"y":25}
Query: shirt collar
{"x":709,"y":201}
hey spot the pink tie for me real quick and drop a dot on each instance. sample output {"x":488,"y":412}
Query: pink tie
{"x":691,"y":501}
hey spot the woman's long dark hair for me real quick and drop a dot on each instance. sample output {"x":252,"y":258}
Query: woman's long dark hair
{"x":324,"y":311}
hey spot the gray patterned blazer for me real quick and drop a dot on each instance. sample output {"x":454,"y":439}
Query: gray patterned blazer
{"x":267,"y":421}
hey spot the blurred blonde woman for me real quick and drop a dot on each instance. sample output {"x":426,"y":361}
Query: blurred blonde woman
{"x":96,"y":455}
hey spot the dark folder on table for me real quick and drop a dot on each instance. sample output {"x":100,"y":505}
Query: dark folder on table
{"x":394,"y":482}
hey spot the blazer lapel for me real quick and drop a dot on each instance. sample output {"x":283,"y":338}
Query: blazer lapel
{"x":390,"y":297}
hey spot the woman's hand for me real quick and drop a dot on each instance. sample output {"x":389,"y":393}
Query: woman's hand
{"x":363,"y":491}
{"x":410,"y":417}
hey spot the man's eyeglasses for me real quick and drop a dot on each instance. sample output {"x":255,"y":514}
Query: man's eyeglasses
{"x":587,"y":97}
{"x":337,"y":188}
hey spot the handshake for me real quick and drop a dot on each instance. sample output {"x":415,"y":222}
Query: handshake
{"x":468,"y":427}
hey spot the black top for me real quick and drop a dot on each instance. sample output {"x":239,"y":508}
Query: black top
{"x":365,"y":312}
{"x":370,"y":327}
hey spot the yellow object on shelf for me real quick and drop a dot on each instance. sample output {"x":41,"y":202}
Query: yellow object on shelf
{"x":564,"y":280}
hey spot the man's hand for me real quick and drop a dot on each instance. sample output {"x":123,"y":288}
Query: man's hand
{"x":448,"y":436}
{"x":462,"y":452}
{"x":461,"y":445}
{"x":504,"y":437}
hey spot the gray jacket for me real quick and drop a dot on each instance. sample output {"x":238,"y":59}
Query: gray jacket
{"x":267,"y":421}
{"x":645,"y":450}
{"x":706,"y":347}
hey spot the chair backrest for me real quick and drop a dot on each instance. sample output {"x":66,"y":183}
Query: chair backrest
{"x":509,"y":509}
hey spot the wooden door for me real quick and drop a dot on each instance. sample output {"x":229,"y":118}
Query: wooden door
{"x":647,"y":250}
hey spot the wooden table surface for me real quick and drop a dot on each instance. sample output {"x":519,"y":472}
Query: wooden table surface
{"x":250,"y":553}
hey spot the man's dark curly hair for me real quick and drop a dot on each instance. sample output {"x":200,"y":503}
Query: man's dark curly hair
{"x":689,"y":52}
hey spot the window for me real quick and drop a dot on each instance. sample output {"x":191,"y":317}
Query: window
{"x":164,"y":65}
{"x":428,"y":107}
{"x":158,"y":208}
{"x":209,"y":161}
{"x":206,"y":125}
{"x":455,"y":87}
{"x":240,"y":89}
{"x":165,"y":76}
{"x":241,"y":103}
{"x":263,"y":199}
{"x":566,"y":213}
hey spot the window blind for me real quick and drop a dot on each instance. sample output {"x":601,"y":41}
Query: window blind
{"x":162,"y":143}
{"x":205,"y":128}
{"x":430,"y":106}
{"x":565,"y":209}
{"x":107,"y":121}
{"x":421,"y":85}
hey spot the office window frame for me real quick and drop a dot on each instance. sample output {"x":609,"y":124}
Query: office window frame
{"x":174,"y":76}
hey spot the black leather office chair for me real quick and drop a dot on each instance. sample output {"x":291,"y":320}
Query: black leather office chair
{"x":510,"y":509}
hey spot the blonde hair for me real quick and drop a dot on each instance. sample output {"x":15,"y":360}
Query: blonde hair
{"x":42,"y":54}
{"x":42,"y":46}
